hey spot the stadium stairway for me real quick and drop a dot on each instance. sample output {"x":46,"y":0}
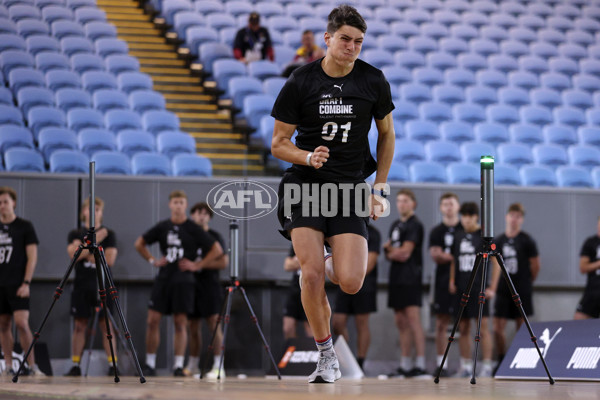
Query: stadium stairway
{"x":196,"y":107}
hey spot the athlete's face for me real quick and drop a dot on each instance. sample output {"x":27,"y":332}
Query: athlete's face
{"x":405,"y":205}
{"x":345,"y":44}
{"x":308,"y":40}
{"x":201,"y":217}
{"x":449,"y":207}
{"x":98,"y":211}
{"x":469,"y":222}
{"x":178,"y":206}
{"x":7,"y":205}
{"x":514,"y":221}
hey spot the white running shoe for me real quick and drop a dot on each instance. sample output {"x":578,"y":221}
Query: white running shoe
{"x":485,"y":372}
{"x":35,"y":371}
{"x":213,"y":373}
{"x":328,"y":368}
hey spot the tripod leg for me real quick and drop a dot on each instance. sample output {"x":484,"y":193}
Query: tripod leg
{"x":264,"y":340}
{"x":92,"y":337}
{"x":230,"y":290}
{"x":517,"y":299}
{"x":101,"y":289}
{"x":114,"y":295}
{"x":119,"y":336}
{"x":214,"y":335}
{"x":463,"y":303}
{"x":480,"y":315}
{"x":57,"y":294}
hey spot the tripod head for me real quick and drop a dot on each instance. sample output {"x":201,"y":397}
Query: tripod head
{"x":234,"y":244}
{"x":487,"y":198}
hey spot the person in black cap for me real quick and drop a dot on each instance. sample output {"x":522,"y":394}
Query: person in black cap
{"x":253,"y":42}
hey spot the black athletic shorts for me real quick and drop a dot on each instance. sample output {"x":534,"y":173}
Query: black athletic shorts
{"x":444,"y":302}
{"x":172,"y":298}
{"x":9,"y":302}
{"x":330,"y":226}
{"x":505,"y":307}
{"x":363,"y":302}
{"x":208,"y":298}
{"x":293,"y":305}
{"x":84,"y":302}
{"x":590,"y":303}
{"x":472,"y":308}
{"x":402,"y":296}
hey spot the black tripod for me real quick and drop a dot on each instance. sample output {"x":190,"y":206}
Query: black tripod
{"x":225,"y":315}
{"x":103,"y":275}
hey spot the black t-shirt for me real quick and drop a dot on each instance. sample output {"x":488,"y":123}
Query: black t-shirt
{"x":409,"y":272}
{"x":374,"y":246}
{"x":14,"y":237}
{"x":85,"y":271}
{"x":247,"y":39}
{"x":443,"y":236}
{"x":337,"y":113}
{"x":210,"y":274}
{"x":591,"y":249}
{"x":177,"y":242}
{"x":465,"y":249}
{"x":516,"y":253}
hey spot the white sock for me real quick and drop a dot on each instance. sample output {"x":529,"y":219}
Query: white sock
{"x":487,"y":364}
{"x":179,"y":361}
{"x":193,"y":363}
{"x":420,"y":362}
{"x":439,"y":361}
{"x":406,"y":363}
{"x":151,"y":360}
{"x":466,"y":363}
{"x":216,"y":362}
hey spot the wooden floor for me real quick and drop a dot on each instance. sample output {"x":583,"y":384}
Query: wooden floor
{"x":289,"y":389}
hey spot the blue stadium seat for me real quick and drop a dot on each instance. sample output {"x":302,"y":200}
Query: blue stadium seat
{"x":10,"y":115}
{"x":459,"y":77}
{"x":495,"y":33}
{"x":197,"y":35}
{"x":75,"y":4}
{"x":19,"y":12}
{"x":545,"y":97}
{"x":8,"y":27}
{"x":398,"y":173}
{"x":544,"y":50}
{"x":82,"y":63}
{"x":463,"y":173}
{"x":119,"y":120}
{"x":255,"y":106}
{"x":129,"y":82}
{"x":563,"y":66}
{"x":97,"y":30}
{"x":472,"y":151}
{"x":51,"y":14}
{"x":515,"y":154}
{"x":536,"y":115}
{"x":11,"y":59}
{"x":184,"y":20}
{"x":533,"y":64}
{"x":42,"y":4}
{"x":552,"y":36}
{"x":110,"y":99}
{"x":24,"y":77}
{"x":596,"y":177}
{"x":23,"y":160}
{"x":141,"y":101}
{"x":570,"y":176}
{"x":454,"y":46}
{"x":131,"y":141}
{"x":30,"y":97}
{"x":209,"y":7}
{"x":171,"y":143}
{"x":593,"y":116}
{"x":108,"y":47}
{"x":524,"y":133}
{"x":434,"y":30}
{"x":284,"y":55}
{"x":503,"y":63}
{"x":584,"y":156}
{"x":292,"y":38}
{"x":490,"y":132}
{"x":422,"y":131}
{"x":92,"y":140}
{"x":150,"y":164}
{"x":491,"y":78}
{"x":540,"y":9}
{"x":435,"y":112}
{"x":551,"y":155}
{"x":269,"y":9}
{"x":428,"y":76}
{"x":502,"y":114}
{"x":29,"y":27}
{"x":448,"y":94}
{"x":6,"y":97}
{"x":378,"y":58}
{"x":587,"y":24}
{"x":210,"y":52}
{"x":504,"y":20}
{"x":191,"y":165}
{"x":240,"y":87}
{"x":427,"y":172}
{"x":586,"y":82}
{"x":83,"y":15}
{"x":47,"y":61}
{"x":272,"y":86}
{"x":263,"y":69}
{"x":68,"y":98}
{"x":475,"y":19}
{"x":513,"y":96}
{"x":219,"y":21}
{"x":482,"y":95}
{"x":589,"y":135}
{"x":468,"y":112}
{"x":405,"y":111}
{"x":39,"y":43}
{"x":572,"y":50}
{"x":458,"y":6}
{"x":119,"y":63}
{"x":577,"y":99}
{"x":443,"y":152}
{"x":387,"y":15}
{"x":506,"y":175}
{"x":414,"y":92}
{"x":457,"y":132}
{"x":41,"y":117}
{"x":537,"y":175}
{"x":484,"y":47}
{"x":590,"y":67}
{"x":265,"y":130}
{"x":559,"y":23}
{"x":523,"y":79}
{"x":158,"y":121}
{"x":76,"y":45}
{"x":567,"y":10}
{"x":10,"y":41}
{"x":391,"y":42}
{"x":532,"y":22}
{"x":53,"y":139}
{"x":62,"y":29}
{"x":409,"y":59}
{"x":569,"y":116}
{"x":69,"y":161}
{"x":407,"y":151}
{"x":111,"y":162}
{"x":12,"y":136}
{"x":297,"y":10}
{"x":446,"y":17}
{"x":472,"y":62}
{"x":281,"y":23}
{"x":96,"y":80}
{"x":58,"y":79}
{"x":82,"y":118}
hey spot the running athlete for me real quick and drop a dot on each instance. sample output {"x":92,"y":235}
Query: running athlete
{"x":293,"y":311}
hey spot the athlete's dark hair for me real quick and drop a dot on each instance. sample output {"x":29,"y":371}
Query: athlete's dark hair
{"x":345,"y":15}
{"x":202,"y":206}
{"x":177,"y":194}
{"x":518,"y":207}
{"x":307,"y":31}
{"x":469,"y":208}
{"x":449,"y":195}
{"x":9,"y":191}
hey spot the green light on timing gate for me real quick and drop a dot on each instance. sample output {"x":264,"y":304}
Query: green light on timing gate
{"x":487,"y":160}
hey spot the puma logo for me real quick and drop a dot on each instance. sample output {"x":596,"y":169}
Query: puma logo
{"x":339,"y":86}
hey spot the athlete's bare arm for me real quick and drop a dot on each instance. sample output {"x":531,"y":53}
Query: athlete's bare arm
{"x":283,"y":148}
{"x":585,"y":266}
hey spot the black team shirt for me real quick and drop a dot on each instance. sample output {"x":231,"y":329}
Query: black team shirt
{"x":177,"y":242}
{"x":210,"y":274}
{"x":443,"y":236}
{"x":409,"y":272}
{"x":14,"y":237}
{"x":465,"y":249}
{"x":85,"y":271}
{"x":516,"y":253}
{"x":334,"y":112}
{"x":591,"y":249}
